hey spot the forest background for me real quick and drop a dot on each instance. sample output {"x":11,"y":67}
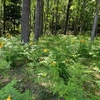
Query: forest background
{"x":52,"y":17}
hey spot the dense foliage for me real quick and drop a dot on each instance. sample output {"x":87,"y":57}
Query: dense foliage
{"x":56,"y":67}
{"x":81,"y":15}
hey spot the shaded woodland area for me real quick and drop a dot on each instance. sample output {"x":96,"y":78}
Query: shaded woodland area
{"x":49,"y":50}
{"x":49,"y":17}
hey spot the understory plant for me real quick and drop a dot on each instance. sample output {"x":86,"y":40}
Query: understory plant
{"x":9,"y":92}
{"x":61,"y":64}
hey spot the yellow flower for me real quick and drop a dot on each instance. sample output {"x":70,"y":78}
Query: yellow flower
{"x":53,"y":63}
{"x":0,"y":46}
{"x":9,"y":98}
{"x":82,"y":40}
{"x":45,"y":50}
{"x":31,"y":43}
{"x":2,"y":43}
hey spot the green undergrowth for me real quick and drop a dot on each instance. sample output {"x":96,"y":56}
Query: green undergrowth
{"x":55,"y":68}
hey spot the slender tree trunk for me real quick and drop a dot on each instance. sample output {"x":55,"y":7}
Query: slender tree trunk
{"x":95,"y":22}
{"x":30,"y":20}
{"x":4,"y":16}
{"x":14,"y":25}
{"x":67,"y":16}
{"x":41,"y":17}
{"x":46,"y":17}
{"x":34,"y":19}
{"x":38,"y":20}
{"x":77,"y":20}
{"x":0,"y":19}
{"x":56,"y":17}
{"x":82,"y":23}
{"x":52,"y":23}
{"x":76,"y":26}
{"x":25,"y":21}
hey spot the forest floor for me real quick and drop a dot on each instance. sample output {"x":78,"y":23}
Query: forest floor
{"x":89,"y":67}
{"x":39,"y":90}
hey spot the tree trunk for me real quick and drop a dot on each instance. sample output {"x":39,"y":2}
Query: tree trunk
{"x":4,"y":16}
{"x":82,"y":20}
{"x":1,"y":19}
{"x":46,"y":16}
{"x":76,"y":24}
{"x":25,"y":21}
{"x":67,"y":16}
{"x":52,"y":22}
{"x":95,"y":22}
{"x":34,"y":11}
{"x":41,"y":17}
{"x":56,"y":17}
{"x":38,"y":20}
{"x":14,"y":25}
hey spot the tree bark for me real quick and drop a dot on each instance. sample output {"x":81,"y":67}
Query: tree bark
{"x":82,"y":20}
{"x":46,"y":16}
{"x":25,"y":21}
{"x":76,"y":24}
{"x":67,"y":16}
{"x":95,"y":22}
{"x":4,"y":16}
{"x":56,"y":17}
{"x":38,"y":20}
{"x":41,"y":17}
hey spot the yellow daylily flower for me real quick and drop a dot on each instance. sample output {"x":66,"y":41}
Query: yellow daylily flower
{"x":0,"y":46}
{"x":9,"y":98}
{"x":82,"y":40}
{"x":2,"y":43}
{"x":31,"y":43}
{"x":45,"y":50}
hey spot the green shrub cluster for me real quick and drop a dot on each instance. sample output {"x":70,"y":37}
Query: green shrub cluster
{"x":9,"y":92}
